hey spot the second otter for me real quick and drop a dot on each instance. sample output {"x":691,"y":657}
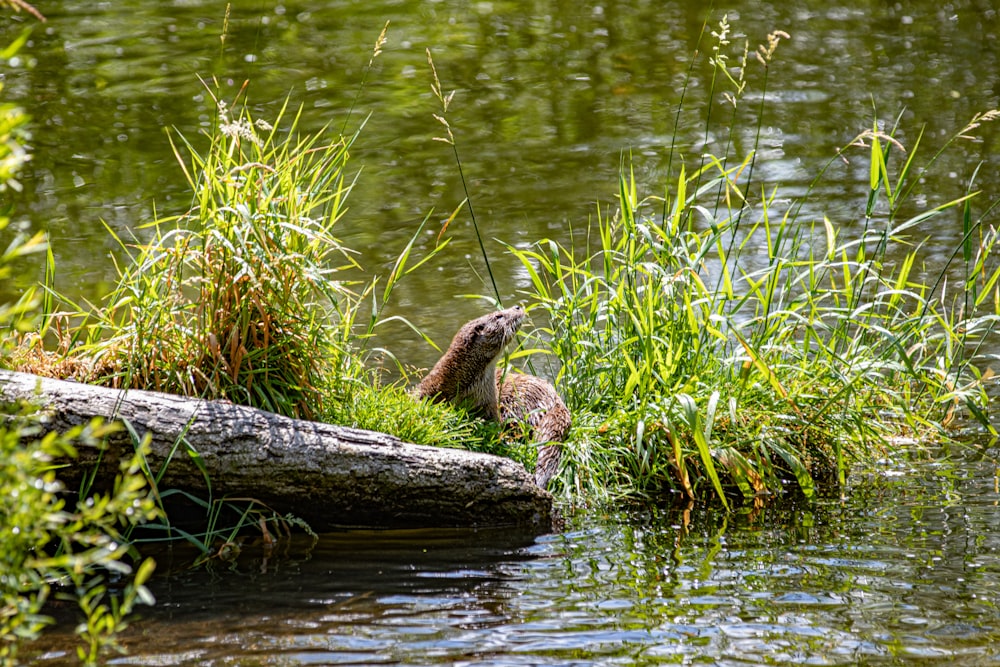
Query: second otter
{"x":467,"y":375}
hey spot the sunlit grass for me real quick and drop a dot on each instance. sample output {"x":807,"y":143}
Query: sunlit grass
{"x":243,"y":296}
{"x":712,"y":342}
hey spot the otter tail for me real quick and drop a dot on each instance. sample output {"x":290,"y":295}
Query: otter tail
{"x":548,"y":464}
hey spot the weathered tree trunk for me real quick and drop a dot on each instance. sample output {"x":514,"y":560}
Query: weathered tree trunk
{"x":330,"y":476}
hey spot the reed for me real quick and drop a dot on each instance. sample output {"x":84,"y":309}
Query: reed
{"x":241,"y":296}
{"x":445,"y":100}
{"x":712,"y":344}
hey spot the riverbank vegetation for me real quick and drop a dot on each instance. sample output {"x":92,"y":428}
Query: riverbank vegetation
{"x":715,"y":341}
{"x":722,"y":348}
{"x":723,"y":341}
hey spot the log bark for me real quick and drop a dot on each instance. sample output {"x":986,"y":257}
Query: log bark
{"x":330,"y":476}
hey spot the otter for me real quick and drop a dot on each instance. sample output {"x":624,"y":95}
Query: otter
{"x":467,"y":375}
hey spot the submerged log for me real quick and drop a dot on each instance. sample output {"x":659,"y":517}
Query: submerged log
{"x":330,"y":476}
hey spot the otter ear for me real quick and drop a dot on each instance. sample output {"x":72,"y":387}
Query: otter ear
{"x":478,"y":330}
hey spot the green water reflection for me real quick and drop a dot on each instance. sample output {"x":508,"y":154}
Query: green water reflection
{"x":902,"y":572}
{"x":550,"y":96}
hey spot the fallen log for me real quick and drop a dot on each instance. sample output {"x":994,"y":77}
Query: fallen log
{"x":330,"y":476}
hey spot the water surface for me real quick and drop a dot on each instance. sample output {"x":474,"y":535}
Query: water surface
{"x":904,"y":571}
{"x":551,"y":96}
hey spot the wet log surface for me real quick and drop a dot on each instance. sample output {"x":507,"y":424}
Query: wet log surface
{"x":330,"y":476}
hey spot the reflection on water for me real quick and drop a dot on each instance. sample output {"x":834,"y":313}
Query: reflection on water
{"x":551,"y":94}
{"x":903,"y":572}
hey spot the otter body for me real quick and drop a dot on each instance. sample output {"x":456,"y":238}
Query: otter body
{"x":467,"y":375}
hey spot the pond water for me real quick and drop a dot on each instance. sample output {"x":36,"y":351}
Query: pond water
{"x":906,"y":570}
{"x":551,"y":95}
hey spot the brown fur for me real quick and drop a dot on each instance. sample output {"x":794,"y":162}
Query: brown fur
{"x":467,"y":375}
{"x":526,"y":398}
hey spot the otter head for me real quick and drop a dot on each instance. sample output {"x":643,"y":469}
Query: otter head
{"x":480,"y":342}
{"x":466,"y":374}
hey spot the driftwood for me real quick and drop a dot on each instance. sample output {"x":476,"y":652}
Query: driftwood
{"x":330,"y":476}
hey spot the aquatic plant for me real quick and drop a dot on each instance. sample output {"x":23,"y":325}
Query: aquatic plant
{"x":246,"y":295}
{"x":239,"y":297}
{"x":55,"y":547}
{"x":711,"y":340}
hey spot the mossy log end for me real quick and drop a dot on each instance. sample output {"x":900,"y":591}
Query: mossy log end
{"x":330,"y":476}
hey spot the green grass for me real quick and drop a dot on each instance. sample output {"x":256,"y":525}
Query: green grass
{"x":712,"y":344}
{"x":391,"y":409}
{"x":239,"y":297}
